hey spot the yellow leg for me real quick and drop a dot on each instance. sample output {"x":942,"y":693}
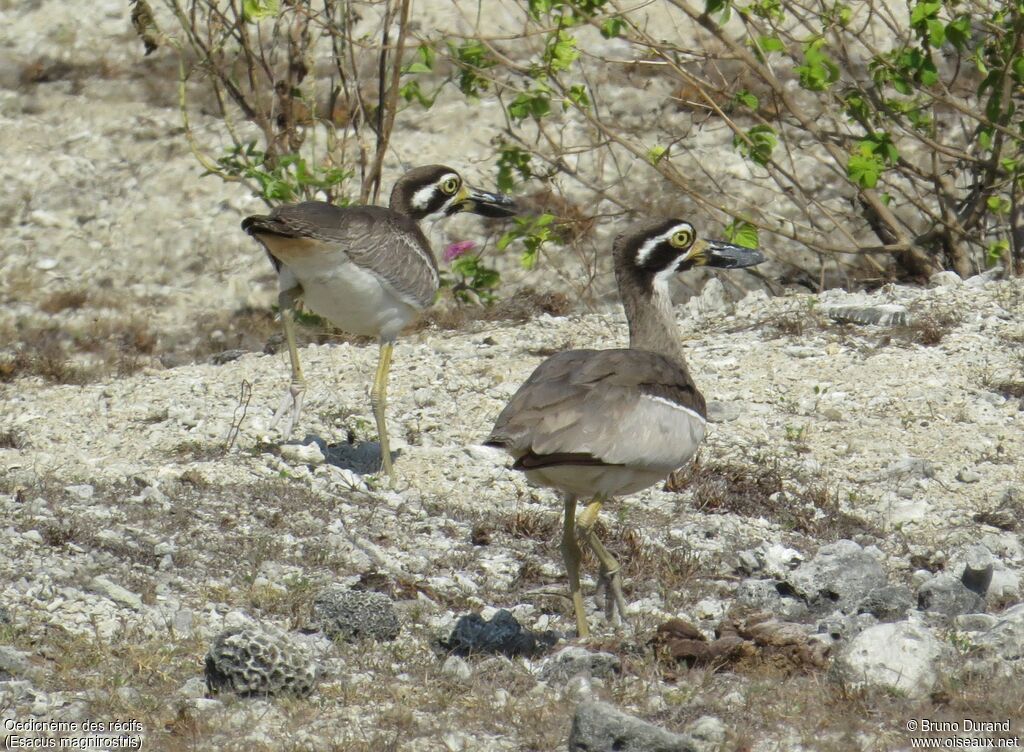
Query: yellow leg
{"x":571,"y":556}
{"x":379,"y":400}
{"x":615,"y":605}
{"x":297,"y":389}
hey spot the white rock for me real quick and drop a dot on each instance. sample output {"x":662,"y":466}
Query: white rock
{"x":457,"y":668}
{"x":82,"y":492}
{"x":945,"y":279}
{"x":902,"y":657}
{"x":302,"y":454}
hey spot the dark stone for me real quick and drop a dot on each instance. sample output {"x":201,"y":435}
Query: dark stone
{"x":977,"y":574}
{"x":600,"y":727}
{"x":503,"y":635}
{"x":889,"y":603}
{"x":948,"y":596}
{"x":226,"y":356}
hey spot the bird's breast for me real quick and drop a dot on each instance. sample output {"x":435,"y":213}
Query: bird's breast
{"x":352,"y":298}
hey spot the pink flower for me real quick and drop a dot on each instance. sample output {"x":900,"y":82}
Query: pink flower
{"x":455,"y":250}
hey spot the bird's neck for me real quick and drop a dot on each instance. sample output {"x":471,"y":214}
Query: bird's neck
{"x":652,"y":324}
{"x":401,"y":202}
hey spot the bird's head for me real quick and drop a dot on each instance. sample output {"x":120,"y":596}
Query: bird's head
{"x":659,"y":249}
{"x":436,"y":190}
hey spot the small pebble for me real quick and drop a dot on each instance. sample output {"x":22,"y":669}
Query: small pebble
{"x":968,"y":476}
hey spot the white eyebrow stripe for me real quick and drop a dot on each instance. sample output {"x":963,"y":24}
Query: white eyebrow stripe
{"x":676,"y":406}
{"x":648,"y":247}
{"x":421,"y":198}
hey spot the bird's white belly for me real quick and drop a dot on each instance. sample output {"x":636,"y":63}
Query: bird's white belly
{"x":353,"y":299}
{"x":589,"y":481}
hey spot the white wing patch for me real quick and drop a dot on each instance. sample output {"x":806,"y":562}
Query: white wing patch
{"x":676,"y":406}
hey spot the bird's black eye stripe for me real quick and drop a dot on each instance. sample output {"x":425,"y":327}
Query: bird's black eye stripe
{"x":662,"y":257}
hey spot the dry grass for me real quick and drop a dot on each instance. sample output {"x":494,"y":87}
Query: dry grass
{"x":757,"y":490}
{"x":789,"y":324}
{"x":530,"y":525}
{"x":929,"y":328}
{"x":64,"y":300}
{"x":63,"y":354}
{"x":524,"y":305}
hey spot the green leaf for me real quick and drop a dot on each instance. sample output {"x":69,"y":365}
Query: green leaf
{"x":534,"y":232}
{"x":770,"y":10}
{"x":256,"y":10}
{"x":758,"y":145}
{"x":472,"y":58}
{"x":923,"y":11}
{"x":936,"y":32}
{"x":474,"y":278}
{"x":770,"y":44}
{"x":927,"y":73}
{"x":865,"y":169}
{"x":818,"y":72}
{"x":1018,"y":68}
{"x":998,"y":204}
{"x":743,"y":233}
{"x":881,"y":145}
{"x":561,"y":51}
{"x":512,"y":159}
{"x":412,"y":91}
{"x":656,"y":154}
{"x":996,"y":251}
{"x":535,"y":103}
{"x":612,"y":27}
{"x":746,"y":99}
{"x":958,"y":31}
{"x":857,"y":107}
{"x":577,"y":94}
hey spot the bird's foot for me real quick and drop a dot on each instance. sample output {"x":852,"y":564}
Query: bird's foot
{"x":610,"y":583}
{"x":289,"y":409}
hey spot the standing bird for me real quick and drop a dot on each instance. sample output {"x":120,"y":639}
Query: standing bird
{"x":366,"y":269}
{"x":602,"y":423}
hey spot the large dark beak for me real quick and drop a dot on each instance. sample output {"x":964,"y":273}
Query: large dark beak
{"x":727,"y":256}
{"x":484,"y":203}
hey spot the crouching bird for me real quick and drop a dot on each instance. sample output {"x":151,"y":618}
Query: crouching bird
{"x":368,"y":270}
{"x":597,"y":424}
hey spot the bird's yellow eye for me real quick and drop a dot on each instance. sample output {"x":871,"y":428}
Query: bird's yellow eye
{"x":450,"y":185}
{"x":682,"y":238}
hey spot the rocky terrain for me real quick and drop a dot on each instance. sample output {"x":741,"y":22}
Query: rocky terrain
{"x":844,"y":557}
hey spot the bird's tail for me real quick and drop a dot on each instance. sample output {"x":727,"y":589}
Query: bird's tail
{"x":266,"y":224}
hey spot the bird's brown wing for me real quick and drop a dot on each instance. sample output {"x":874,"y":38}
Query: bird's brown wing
{"x":613,"y":407}
{"x":380,"y":240}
